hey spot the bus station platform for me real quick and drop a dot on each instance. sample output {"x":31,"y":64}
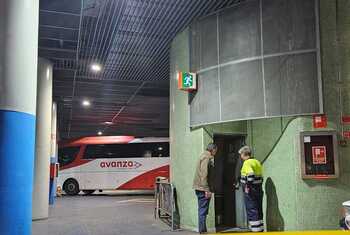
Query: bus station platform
{"x":107,"y":213}
{"x":112,"y":213}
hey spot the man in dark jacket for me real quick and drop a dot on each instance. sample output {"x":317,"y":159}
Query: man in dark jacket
{"x":201,"y":185}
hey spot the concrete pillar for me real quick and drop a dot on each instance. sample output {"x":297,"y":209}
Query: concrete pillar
{"x":18,"y":76}
{"x":54,"y":160}
{"x":43,"y":141}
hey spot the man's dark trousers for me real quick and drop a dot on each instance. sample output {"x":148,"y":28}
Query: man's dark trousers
{"x":203,"y":208}
{"x":253,"y":202}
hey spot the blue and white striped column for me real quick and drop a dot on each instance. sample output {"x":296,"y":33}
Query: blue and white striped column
{"x":54,"y":157}
{"x":43,"y":141}
{"x":18,"y":84}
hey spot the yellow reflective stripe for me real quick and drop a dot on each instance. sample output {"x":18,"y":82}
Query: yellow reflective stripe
{"x":325,"y":232}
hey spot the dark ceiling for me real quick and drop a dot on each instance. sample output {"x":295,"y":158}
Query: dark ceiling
{"x":131,"y":40}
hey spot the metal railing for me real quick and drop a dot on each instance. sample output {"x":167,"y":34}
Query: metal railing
{"x":165,"y":203}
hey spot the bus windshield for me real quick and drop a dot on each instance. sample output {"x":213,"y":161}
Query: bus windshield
{"x":67,"y":155}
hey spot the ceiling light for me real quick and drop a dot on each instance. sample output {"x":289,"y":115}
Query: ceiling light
{"x":86,"y":103}
{"x":108,"y":123}
{"x":99,"y":133}
{"x":96,"y":67}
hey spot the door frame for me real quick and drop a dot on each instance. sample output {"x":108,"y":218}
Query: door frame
{"x":242,"y":136}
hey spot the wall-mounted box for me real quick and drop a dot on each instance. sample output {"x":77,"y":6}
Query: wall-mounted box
{"x":319,"y":155}
{"x":319,"y":121}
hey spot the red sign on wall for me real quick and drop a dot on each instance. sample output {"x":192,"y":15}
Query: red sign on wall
{"x":319,"y":121}
{"x":319,"y":155}
{"x":54,"y":170}
{"x":346,"y":134}
{"x":346,"y":119}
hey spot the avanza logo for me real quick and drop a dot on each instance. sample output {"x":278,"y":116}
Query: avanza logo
{"x":120,"y":164}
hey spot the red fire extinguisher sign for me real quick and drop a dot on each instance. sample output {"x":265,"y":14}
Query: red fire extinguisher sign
{"x":319,"y":121}
{"x":319,"y":155}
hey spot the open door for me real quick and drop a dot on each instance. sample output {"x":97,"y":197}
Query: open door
{"x":229,"y":205}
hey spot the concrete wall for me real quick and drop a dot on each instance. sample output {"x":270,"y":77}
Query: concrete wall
{"x":290,"y":202}
{"x":186,"y":145}
{"x":326,"y":197}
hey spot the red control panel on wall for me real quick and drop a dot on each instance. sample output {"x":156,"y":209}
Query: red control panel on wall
{"x":319,"y":158}
{"x":319,"y":121}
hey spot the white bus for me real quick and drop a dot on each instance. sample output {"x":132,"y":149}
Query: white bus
{"x":112,"y":162}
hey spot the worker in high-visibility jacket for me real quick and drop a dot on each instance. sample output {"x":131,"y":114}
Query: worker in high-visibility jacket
{"x":251,"y":180}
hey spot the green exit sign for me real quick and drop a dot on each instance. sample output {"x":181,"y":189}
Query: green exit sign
{"x":187,"y":81}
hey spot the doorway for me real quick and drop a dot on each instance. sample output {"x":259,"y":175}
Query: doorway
{"x":229,"y":205}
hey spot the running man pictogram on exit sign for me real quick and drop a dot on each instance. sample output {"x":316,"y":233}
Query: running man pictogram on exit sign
{"x":187,"y":81}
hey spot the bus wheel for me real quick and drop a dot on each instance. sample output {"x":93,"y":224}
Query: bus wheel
{"x":71,"y":187}
{"x":88,"y":192}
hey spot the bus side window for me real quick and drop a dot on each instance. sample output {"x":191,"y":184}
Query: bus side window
{"x":147,"y":154}
{"x":135,"y":150}
{"x":162,"y":150}
{"x":95,"y":151}
{"x":111,"y":151}
{"x":155,"y":149}
{"x":67,"y":155}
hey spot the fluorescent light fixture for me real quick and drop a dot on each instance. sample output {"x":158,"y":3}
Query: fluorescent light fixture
{"x":86,"y":103}
{"x":96,"y":67}
{"x":108,"y":123}
{"x":99,"y":133}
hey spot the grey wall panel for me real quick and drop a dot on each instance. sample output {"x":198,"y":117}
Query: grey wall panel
{"x":274,"y":68}
{"x":268,"y":62}
{"x":241,"y":91}
{"x":208,"y":42}
{"x":205,"y":107}
{"x":291,"y":84}
{"x":239,"y":32}
{"x":194,"y":47}
{"x":300,"y":85}
{"x":288,"y":25}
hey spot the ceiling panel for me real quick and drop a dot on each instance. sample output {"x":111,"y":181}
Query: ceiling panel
{"x":130,"y":39}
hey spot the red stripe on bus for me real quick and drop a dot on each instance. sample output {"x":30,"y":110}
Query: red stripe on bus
{"x":96,"y":140}
{"x":146,"y":180}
